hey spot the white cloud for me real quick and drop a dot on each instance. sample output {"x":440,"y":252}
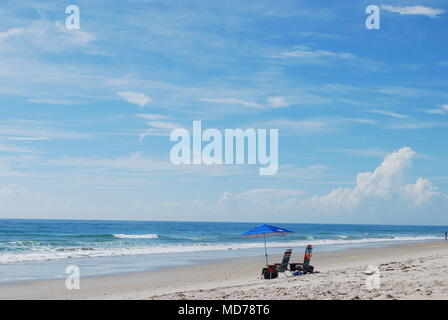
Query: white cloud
{"x":442,"y":110}
{"x":416,"y":125}
{"x":158,"y":126}
{"x":137,"y":98}
{"x":77,"y":37}
{"x":134,"y":162}
{"x":358,"y":152}
{"x":137,"y":162}
{"x":151,"y":116}
{"x":183,"y":210}
{"x":317,"y":125}
{"x":23,"y":138}
{"x":414,"y":10}
{"x":45,"y":36}
{"x":233,"y":101}
{"x":375,"y":190}
{"x":15,"y":195}
{"x":164,"y":125}
{"x":4,"y":35}
{"x":52,"y":101}
{"x":7,"y":171}
{"x":12,"y":189}
{"x":307,"y":53}
{"x":421,"y":191}
{"x":277,"y":102}
{"x":256,"y":196}
{"x":381,"y":194}
{"x":272,"y":102}
{"x":310,"y":173}
{"x":435,"y":111}
{"x":19,"y":202}
{"x":310,"y":125}
{"x":14,"y":148}
{"x":389,"y":113}
{"x":137,"y":204}
{"x":20,"y":129}
{"x":407,"y":92}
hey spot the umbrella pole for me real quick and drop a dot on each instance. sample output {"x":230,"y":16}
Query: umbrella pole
{"x":265,"y":250}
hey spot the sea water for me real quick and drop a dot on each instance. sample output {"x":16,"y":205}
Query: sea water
{"x":42,"y":249}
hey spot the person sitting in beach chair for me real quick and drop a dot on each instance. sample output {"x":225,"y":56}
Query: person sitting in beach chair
{"x":304,"y":267}
{"x":272,"y":271}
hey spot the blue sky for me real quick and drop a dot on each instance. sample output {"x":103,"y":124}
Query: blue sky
{"x":85,"y":115}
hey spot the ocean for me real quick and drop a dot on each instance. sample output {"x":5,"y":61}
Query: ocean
{"x":41,"y":249}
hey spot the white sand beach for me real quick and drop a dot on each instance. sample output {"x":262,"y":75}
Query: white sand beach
{"x":407,"y":271}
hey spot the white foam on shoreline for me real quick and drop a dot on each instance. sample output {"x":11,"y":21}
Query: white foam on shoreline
{"x":39,"y":254}
{"x":136,"y":236}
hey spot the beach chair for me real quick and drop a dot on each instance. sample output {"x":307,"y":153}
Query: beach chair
{"x":283,"y":267}
{"x":304,"y":267}
{"x":272,"y":271}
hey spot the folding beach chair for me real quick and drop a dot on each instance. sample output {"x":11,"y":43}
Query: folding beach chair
{"x":283,"y":267}
{"x":304,"y":267}
{"x":272,"y":271}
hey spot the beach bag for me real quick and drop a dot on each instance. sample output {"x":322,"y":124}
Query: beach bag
{"x":269,"y":272}
{"x":308,"y":269}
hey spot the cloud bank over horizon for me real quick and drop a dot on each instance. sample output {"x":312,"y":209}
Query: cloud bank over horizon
{"x":383,"y":192}
{"x":376,"y":193}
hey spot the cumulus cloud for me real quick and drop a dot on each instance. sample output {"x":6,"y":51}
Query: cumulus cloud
{"x":383,"y":186}
{"x":414,"y":10}
{"x":137,"y":98}
{"x":379,"y":196}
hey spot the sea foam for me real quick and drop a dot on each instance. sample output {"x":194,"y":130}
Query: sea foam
{"x":136,"y":236}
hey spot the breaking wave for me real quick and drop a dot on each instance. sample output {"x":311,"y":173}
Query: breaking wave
{"x":136,"y":236}
{"x":36,"y":252}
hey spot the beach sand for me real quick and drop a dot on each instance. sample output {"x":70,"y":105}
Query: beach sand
{"x":407,"y":271}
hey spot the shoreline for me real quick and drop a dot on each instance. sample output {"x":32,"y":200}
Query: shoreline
{"x":229,"y":278}
{"x":177,"y":260}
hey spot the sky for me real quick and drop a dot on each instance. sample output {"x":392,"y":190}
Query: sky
{"x":86,"y":115}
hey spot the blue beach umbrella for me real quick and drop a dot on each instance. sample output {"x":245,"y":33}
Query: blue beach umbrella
{"x":263,"y":231}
